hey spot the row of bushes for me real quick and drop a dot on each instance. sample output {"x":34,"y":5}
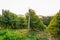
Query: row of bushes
{"x":11,"y":35}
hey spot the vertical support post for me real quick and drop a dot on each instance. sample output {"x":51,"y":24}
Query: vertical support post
{"x":28,"y":22}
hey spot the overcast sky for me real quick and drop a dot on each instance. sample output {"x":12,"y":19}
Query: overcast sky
{"x":42,"y":7}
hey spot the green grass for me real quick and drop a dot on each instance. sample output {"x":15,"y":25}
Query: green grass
{"x":21,"y":35}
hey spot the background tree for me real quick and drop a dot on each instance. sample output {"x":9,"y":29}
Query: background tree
{"x":9,"y":19}
{"x":35,"y":22}
{"x":21,"y":22}
{"x":1,"y":22}
{"x":46,"y":19}
{"x":54,"y":26}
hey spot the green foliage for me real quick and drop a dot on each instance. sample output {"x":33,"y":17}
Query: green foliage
{"x":46,"y":19}
{"x":8,"y":18}
{"x":12,"y":21}
{"x":22,"y":22}
{"x":0,"y":20}
{"x":54,"y":26}
{"x":21,"y":35}
{"x":35,"y":22}
{"x":11,"y":35}
{"x":2,"y":32}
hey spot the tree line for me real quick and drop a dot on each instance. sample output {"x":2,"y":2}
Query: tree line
{"x":12,"y":21}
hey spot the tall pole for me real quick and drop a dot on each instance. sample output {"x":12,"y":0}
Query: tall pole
{"x":28,"y":22}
